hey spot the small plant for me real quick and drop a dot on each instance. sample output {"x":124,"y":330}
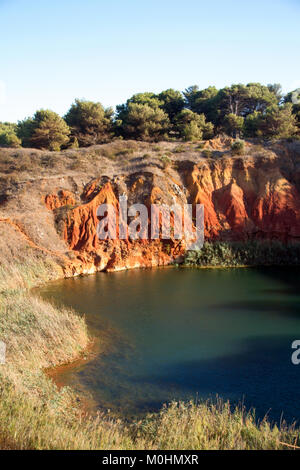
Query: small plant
{"x":207,"y":153}
{"x":125,"y":152}
{"x":238,"y":147}
{"x":75,"y":165}
{"x":199,"y":147}
{"x":110,"y":154}
{"x":168,"y":248}
{"x":180,"y":149}
{"x":165,"y":160}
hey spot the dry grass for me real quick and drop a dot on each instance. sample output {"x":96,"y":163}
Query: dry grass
{"x":51,"y":419}
{"x":37,"y":334}
{"x":206,"y":426}
{"x":26,"y":274}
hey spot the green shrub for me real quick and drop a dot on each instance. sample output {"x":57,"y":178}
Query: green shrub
{"x":8,"y":136}
{"x":199,"y":146}
{"x":180,"y":149}
{"x":166,"y":161}
{"x":238,"y":147}
{"x":207,"y":153}
{"x":46,"y":130}
{"x":9,"y":139}
{"x":125,"y":152}
{"x":252,"y":253}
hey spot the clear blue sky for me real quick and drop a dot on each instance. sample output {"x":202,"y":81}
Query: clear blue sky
{"x":52,"y":51}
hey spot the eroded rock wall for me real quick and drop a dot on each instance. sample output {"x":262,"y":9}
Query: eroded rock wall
{"x":244,"y":198}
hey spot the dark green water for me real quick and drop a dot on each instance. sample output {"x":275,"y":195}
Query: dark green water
{"x":187,"y":333}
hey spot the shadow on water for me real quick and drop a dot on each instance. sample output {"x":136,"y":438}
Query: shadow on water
{"x":228,"y":375}
{"x":275,"y":298}
{"x":290,"y":276}
{"x":259,"y":376}
{"x":272,"y":307}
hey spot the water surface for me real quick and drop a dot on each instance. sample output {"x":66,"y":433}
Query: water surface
{"x":188,"y":334}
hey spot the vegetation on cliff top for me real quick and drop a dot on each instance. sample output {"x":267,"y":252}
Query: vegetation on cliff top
{"x":251,"y":110}
{"x":251,"y":253}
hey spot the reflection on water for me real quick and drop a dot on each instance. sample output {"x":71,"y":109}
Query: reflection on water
{"x":187,"y":333}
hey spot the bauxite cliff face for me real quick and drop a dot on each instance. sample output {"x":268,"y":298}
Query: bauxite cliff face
{"x":256,"y":196}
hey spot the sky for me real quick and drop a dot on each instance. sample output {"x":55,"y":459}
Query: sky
{"x":53,"y":51}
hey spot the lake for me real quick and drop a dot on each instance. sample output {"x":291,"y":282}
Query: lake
{"x":180,"y":334}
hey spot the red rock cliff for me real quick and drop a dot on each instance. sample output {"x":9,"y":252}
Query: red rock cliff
{"x":252,"y":197}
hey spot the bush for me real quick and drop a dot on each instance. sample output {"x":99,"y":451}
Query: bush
{"x":166,"y":161}
{"x":200,"y":147}
{"x":207,"y":153}
{"x":9,"y":139}
{"x":8,"y":136}
{"x":253,"y":253}
{"x":180,"y":149}
{"x":238,"y":147}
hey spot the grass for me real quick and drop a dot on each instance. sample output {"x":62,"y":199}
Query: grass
{"x":52,"y":419}
{"x":165,"y":160}
{"x":213,"y":425}
{"x":37,"y":334}
{"x":27,"y":274}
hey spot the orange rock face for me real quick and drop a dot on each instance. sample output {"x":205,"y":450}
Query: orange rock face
{"x":64,"y":198}
{"x":112,"y":254}
{"x":244,"y":198}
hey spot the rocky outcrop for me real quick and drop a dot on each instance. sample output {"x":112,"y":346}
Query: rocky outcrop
{"x":80,"y":232}
{"x":63,"y":198}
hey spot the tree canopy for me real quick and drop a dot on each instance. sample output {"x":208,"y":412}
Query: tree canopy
{"x":193,"y":126}
{"x":89,"y":122}
{"x":8,"y":135}
{"x":172,"y":102}
{"x":46,"y":130}
{"x":294,"y":98}
{"x":142,"y":121}
{"x":253,"y":110}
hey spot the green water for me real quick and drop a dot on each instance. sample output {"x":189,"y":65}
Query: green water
{"x":188,"y":333}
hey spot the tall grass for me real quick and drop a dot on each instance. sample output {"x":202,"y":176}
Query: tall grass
{"x":37,"y":335}
{"x":213,"y":425}
{"x":27,"y":273}
{"x":53,"y":420}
